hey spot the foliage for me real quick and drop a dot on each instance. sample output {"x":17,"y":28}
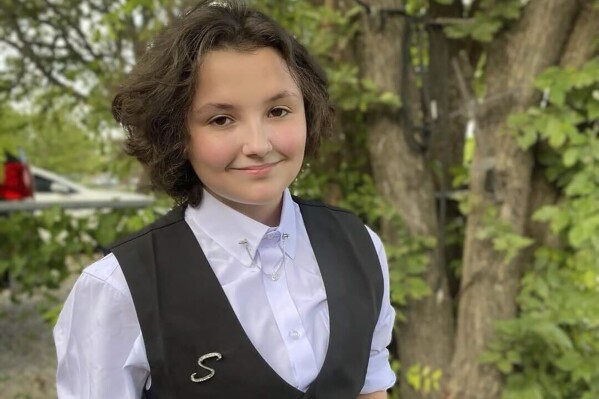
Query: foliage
{"x":424,"y":379}
{"x":60,"y":62}
{"x":41,"y":249}
{"x":407,"y":263}
{"x":78,"y":46}
{"x":552,"y":349}
{"x":328,"y":35}
{"x":487,"y":20}
{"x":51,"y":140}
{"x":501,"y":234}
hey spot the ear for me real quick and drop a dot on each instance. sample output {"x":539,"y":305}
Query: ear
{"x":185,"y":144}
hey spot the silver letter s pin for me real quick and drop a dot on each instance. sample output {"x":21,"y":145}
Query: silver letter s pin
{"x":194,"y":376}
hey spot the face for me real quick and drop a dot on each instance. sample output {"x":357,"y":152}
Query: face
{"x":247,"y":129}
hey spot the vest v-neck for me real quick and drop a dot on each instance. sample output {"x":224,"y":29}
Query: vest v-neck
{"x":207,"y":272}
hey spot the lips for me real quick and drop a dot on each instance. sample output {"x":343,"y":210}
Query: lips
{"x":257,"y":168}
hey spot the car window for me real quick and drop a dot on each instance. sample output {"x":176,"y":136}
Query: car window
{"x":45,"y":185}
{"x":42,"y":185}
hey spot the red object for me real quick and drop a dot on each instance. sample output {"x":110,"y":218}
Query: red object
{"x":18,"y":182}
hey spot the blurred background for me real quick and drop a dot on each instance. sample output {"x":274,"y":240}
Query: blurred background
{"x":466,"y":136}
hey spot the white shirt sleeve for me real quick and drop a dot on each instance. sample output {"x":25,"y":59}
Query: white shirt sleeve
{"x":99,"y":346}
{"x":380,"y":376}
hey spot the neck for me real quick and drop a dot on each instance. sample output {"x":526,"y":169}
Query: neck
{"x":268,"y":214}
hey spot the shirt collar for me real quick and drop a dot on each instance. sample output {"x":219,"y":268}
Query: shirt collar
{"x":288,"y":224}
{"x":228,"y":227}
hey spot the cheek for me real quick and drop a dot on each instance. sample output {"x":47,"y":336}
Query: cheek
{"x":206,"y":154}
{"x":292,"y":140}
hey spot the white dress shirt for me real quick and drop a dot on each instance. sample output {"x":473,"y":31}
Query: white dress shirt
{"x":99,"y":345}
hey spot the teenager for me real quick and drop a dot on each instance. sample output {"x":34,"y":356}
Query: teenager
{"x":242,"y":290}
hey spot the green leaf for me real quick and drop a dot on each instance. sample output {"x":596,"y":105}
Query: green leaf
{"x":593,"y":109}
{"x":490,"y":357}
{"x":519,"y":387}
{"x":569,"y":361}
{"x":555,"y":132}
{"x":414,"y":377}
{"x":504,"y":366}
{"x":581,"y":184}
{"x":571,"y":156}
{"x":553,"y":335}
{"x":391,"y":99}
{"x":548,"y":77}
{"x":527,"y":138}
{"x":484,"y":30}
{"x":578,"y":235}
{"x":557,"y":97}
{"x":545,"y":213}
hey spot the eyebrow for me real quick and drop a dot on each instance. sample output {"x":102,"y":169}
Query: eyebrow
{"x":282,"y":94}
{"x":227,"y":107}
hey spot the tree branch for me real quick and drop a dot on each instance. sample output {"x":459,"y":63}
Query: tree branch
{"x":582,"y":45}
{"x":103,"y":8}
{"x":83,"y":40}
{"x":27,"y":52}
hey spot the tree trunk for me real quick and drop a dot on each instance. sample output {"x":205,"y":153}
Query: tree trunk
{"x":448,"y":125}
{"x":404,"y":179}
{"x":501,"y":180}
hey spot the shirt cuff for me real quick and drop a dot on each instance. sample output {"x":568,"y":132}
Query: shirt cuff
{"x":379,"y":376}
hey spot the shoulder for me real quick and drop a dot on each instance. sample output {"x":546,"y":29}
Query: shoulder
{"x":318,"y":205}
{"x":105,"y":273}
{"x":100,"y":297}
{"x":174,"y":216}
{"x":376,"y":240}
{"x":97,"y":335}
{"x":344,"y":216}
{"x":321,"y":212}
{"x":302,"y":202}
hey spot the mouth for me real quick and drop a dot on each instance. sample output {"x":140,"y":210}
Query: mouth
{"x":257,"y":168}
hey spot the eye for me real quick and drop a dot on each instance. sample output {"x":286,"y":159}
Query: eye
{"x":220,"y":121}
{"x":279,"y":112}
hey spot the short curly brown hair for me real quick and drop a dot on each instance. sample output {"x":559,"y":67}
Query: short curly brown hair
{"x":153,"y":102}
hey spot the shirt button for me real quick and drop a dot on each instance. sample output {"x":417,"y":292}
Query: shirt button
{"x":294,"y":334}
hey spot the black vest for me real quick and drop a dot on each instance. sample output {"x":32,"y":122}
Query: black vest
{"x":184,"y":313}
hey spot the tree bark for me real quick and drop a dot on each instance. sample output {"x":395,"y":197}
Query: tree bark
{"x":501,"y":179}
{"x":404,"y":179}
{"x":448,"y":127}
{"x":582,"y":43}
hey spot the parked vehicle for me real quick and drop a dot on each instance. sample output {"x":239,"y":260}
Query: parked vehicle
{"x":18,"y":181}
{"x":32,"y":188}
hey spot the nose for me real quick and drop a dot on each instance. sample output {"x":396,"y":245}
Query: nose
{"x":257,"y":140}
